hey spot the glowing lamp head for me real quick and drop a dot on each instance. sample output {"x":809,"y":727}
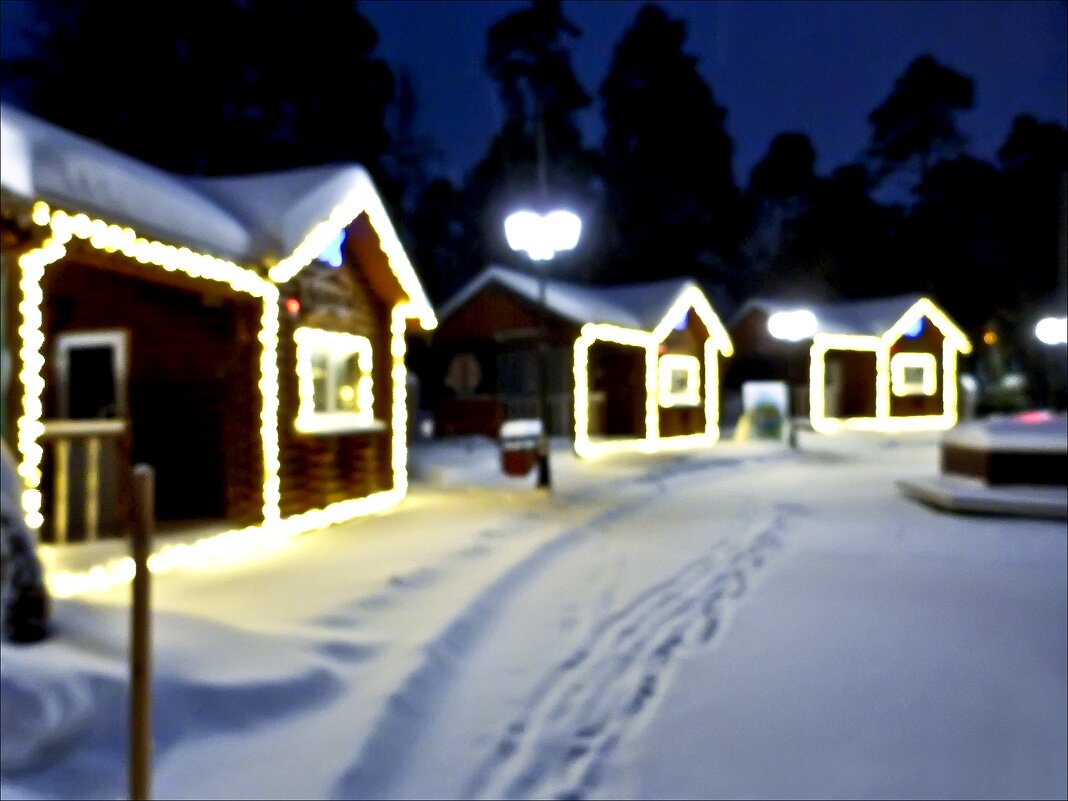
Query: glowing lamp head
{"x":292,"y":305}
{"x":542,"y":237}
{"x":1052,"y":330}
{"x":793,"y":326}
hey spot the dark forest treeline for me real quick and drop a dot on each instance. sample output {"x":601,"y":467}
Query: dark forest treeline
{"x":283,"y":84}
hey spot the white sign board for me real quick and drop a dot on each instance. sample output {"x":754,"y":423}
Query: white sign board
{"x":765,"y":393}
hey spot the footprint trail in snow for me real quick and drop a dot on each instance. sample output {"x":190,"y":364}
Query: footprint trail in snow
{"x":583,"y":710}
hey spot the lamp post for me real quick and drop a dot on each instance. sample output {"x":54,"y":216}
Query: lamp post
{"x":1052,"y":332}
{"x":793,"y":327}
{"x":541,"y":238}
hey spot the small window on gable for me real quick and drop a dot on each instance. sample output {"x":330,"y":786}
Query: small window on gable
{"x":332,"y":254}
{"x":680,"y":380}
{"x":913,"y":374}
{"x":333,"y":381}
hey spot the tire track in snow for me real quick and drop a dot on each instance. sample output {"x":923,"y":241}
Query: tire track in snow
{"x":585,"y":707}
{"x":372,"y":771}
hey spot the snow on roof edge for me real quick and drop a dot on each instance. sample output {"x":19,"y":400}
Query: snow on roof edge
{"x":842,"y":317}
{"x":578,"y":303}
{"x":228,"y":216}
{"x":68,"y":169}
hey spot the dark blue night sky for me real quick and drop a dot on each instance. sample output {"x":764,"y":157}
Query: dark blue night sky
{"x":815,"y":67}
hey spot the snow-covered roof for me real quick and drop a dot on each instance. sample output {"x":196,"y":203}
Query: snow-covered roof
{"x":871,"y":317}
{"x":281,"y":208}
{"x":269,"y":219}
{"x":1027,"y":432}
{"x":43,"y":161}
{"x":637,"y":306}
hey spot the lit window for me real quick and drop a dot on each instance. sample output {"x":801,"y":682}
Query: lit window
{"x":333,"y":380}
{"x":913,"y":374}
{"x":680,"y":380}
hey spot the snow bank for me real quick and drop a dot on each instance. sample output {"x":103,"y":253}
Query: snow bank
{"x":742,"y":621}
{"x":1031,"y":432}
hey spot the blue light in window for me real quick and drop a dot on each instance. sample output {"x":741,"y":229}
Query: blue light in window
{"x":332,"y":253}
{"x":917,"y":328}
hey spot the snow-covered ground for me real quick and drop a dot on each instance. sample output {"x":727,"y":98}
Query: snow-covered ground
{"x":746,"y":621}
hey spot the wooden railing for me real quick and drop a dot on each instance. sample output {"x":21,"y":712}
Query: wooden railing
{"x":62,"y":434}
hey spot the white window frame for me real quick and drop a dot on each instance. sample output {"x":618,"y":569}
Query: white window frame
{"x":668,"y":364}
{"x":337,"y":345}
{"x":899,"y":383}
{"x":114,"y":338}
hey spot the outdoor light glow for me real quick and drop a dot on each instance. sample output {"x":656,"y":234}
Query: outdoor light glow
{"x":690,"y":395}
{"x":268,"y":386}
{"x":230,"y":544}
{"x":112,"y":238}
{"x":1034,"y":417}
{"x":899,"y":365}
{"x":693,"y":298}
{"x":542,"y":237}
{"x":953,"y":343}
{"x":916,"y":329}
{"x":363,"y":199}
{"x":717,"y":342}
{"x":399,"y":375}
{"x":793,"y":326}
{"x":332,"y":254}
{"x":1052,"y":330}
{"x":990,"y":337}
{"x":339,"y":344}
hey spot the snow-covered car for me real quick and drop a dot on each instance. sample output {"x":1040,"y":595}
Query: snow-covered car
{"x":24,"y":600}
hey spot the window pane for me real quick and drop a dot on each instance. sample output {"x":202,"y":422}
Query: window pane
{"x":319,"y":382}
{"x":913,"y":375}
{"x":679,"y":381}
{"x":346,"y":374}
{"x":91,"y":382}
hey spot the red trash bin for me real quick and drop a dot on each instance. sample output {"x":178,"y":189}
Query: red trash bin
{"x":519,"y":446}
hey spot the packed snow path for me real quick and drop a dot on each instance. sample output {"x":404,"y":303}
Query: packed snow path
{"x":748,"y":622}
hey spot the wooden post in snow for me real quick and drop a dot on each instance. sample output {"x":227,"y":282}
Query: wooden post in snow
{"x":144,"y":481}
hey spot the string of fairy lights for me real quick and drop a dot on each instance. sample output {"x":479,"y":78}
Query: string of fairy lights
{"x":889,"y":374}
{"x":63,"y":227}
{"x":657,"y":378}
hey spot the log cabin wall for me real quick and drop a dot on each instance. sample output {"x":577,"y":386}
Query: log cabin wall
{"x":320,"y":469}
{"x":690,"y":341}
{"x":929,"y":341}
{"x":194,"y":402}
{"x":498,"y":328}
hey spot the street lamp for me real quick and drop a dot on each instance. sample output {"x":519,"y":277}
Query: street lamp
{"x":541,"y":238}
{"x":1053,"y":332}
{"x":792,"y":326}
